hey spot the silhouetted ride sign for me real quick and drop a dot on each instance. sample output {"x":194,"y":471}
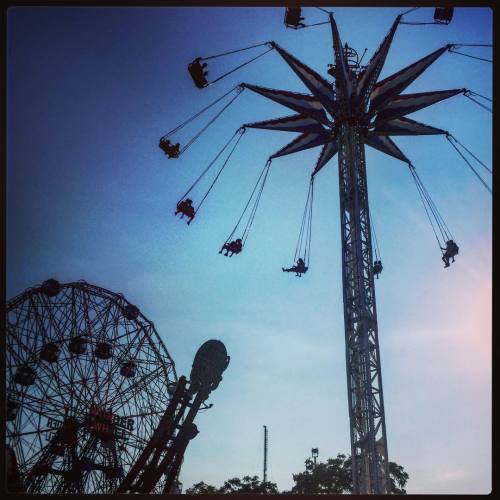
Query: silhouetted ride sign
{"x":210,"y":361}
{"x":163,"y":455}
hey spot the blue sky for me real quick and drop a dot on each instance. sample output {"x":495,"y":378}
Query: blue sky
{"x":91,"y":196}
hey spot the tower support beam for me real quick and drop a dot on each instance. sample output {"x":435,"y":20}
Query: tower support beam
{"x":364,"y":377}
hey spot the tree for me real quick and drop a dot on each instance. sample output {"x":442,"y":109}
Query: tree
{"x":332,"y":476}
{"x":248,"y":484}
{"x":335,"y":477}
{"x":201,"y":488}
{"x":398,"y":478}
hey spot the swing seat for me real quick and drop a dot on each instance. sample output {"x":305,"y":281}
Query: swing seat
{"x":296,"y":269}
{"x":377,"y":267}
{"x":234,"y":247}
{"x":449,"y":252}
{"x":185,"y":209}
{"x":443,"y":15}
{"x":451,"y":249}
{"x":301,"y":270}
{"x":171,"y":150}
{"x":293,"y":18}
{"x":198,"y":73}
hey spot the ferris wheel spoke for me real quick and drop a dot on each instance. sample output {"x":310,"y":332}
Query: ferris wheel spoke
{"x":88,"y":452}
{"x":135,"y":440}
{"x":53,"y":381}
{"x":72,"y":396}
{"x":102,"y":319}
{"x":86,"y":371}
{"x":120,"y":357}
{"x":134,"y":405}
{"x":130,"y":391}
{"x":131,"y":458}
{"x":42,"y":327}
{"x":21,"y":434}
{"x":124,"y":356}
{"x":98,"y":368}
{"x":21,"y":344}
{"x":33,"y":451}
{"x":29,"y":398}
{"x":57,"y":332}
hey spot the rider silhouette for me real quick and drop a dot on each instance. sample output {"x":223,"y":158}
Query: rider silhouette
{"x":449,"y":252}
{"x":198,"y":72}
{"x":171,"y":150}
{"x":377,"y":268}
{"x":299,"y":268}
{"x":185,"y":207}
{"x":235,"y":247}
{"x":293,"y":18}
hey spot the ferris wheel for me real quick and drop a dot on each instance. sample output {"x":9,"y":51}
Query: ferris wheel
{"x":88,"y":379}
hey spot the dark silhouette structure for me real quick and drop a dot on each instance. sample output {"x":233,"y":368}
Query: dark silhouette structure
{"x":164,"y":453}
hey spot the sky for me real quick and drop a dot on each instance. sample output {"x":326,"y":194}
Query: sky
{"x":91,"y":196}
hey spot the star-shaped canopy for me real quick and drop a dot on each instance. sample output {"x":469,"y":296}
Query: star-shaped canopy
{"x":379,"y":104}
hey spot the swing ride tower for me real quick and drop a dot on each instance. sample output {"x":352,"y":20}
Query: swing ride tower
{"x":343,"y":117}
{"x":356,"y":110}
{"x":364,"y":377}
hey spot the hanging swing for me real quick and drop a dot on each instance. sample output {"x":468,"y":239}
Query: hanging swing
{"x":198,"y":68}
{"x":185,"y":205}
{"x":441,"y":16}
{"x":174,"y":150}
{"x":450,"y":249}
{"x":293,"y":18}
{"x":377,"y":263}
{"x":303,"y":248}
{"x":235,"y":246}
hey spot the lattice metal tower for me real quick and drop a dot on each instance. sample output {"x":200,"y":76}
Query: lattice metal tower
{"x":364,"y":377}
